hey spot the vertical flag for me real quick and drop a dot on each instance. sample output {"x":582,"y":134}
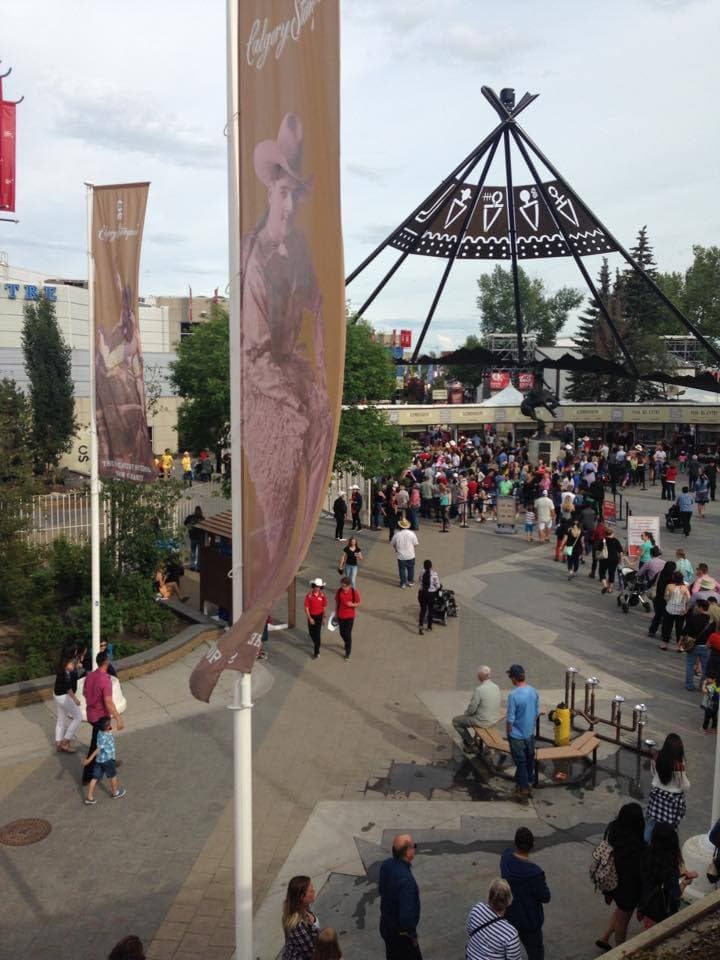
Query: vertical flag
{"x":292,"y":314}
{"x":7,"y":154}
{"x":190,"y":310}
{"x":124,"y":449}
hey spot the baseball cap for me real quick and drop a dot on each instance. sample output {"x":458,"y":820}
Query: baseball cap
{"x":516,"y":671}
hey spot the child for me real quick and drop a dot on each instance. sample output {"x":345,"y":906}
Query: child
{"x":710,"y":700}
{"x":529,"y":523}
{"x":562,"y":720}
{"x":104,"y":760}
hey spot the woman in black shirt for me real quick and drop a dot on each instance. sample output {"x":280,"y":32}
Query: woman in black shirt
{"x":69,"y":714}
{"x":609,"y":565}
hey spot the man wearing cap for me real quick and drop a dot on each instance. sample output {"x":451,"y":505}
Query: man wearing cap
{"x":340,"y":512}
{"x":403,"y":543}
{"x":315,"y":607}
{"x":545,"y":513}
{"x":523,"y":709}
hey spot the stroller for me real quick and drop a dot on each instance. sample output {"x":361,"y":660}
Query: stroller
{"x":633,"y":590}
{"x":673,"y":520}
{"x":444,"y":606}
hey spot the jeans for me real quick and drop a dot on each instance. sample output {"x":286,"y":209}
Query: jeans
{"x":686,"y":517}
{"x":406,"y":569}
{"x":523,"y":754}
{"x":339,"y":525}
{"x":350,"y":571}
{"x":701,"y":651}
{"x":87,"y":771}
{"x":413,"y":518}
{"x":532,"y":940}
{"x":649,"y":827}
{"x":398,"y":947}
{"x":377,"y":520}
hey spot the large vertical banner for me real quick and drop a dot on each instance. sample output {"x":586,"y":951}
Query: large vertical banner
{"x":292,"y":300}
{"x":7,"y":154}
{"x":124,"y":448}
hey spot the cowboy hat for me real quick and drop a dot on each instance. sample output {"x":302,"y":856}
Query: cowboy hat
{"x":283,"y":154}
{"x":317,"y":582}
{"x":404,"y":523}
{"x":707,"y":583}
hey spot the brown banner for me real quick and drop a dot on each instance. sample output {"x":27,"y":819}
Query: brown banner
{"x":292,"y":325}
{"x":124,"y":448}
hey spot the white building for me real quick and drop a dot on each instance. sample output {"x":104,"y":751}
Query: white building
{"x":18,"y":286}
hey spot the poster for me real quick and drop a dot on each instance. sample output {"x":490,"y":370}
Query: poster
{"x":637,"y":525}
{"x":505,"y":511}
{"x":124,"y":448}
{"x":292,"y":307}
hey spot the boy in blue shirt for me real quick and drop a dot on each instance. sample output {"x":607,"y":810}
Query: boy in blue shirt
{"x":523,"y":709}
{"x":103,"y":759}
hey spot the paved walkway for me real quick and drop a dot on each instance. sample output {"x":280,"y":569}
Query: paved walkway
{"x":336,"y":744}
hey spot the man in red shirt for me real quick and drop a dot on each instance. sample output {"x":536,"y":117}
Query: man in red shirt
{"x":315,"y":607}
{"x":99,"y":703}
{"x":347,"y":600}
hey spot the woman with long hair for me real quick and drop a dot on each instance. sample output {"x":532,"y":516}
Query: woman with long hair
{"x":300,"y":924}
{"x":677,"y":598}
{"x":572,"y":547}
{"x":327,"y":946}
{"x":349,"y":560}
{"x":666,"y":801}
{"x":69,"y":714}
{"x":625,"y":836}
{"x":664,"y":877}
{"x":429,"y":586}
{"x":661,"y":585}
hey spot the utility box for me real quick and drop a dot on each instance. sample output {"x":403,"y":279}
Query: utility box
{"x":546,"y":449}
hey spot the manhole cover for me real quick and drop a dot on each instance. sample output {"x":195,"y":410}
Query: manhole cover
{"x":20,"y":833}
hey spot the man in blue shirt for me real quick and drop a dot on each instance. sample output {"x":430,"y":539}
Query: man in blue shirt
{"x":523,"y":709}
{"x":400,"y":902}
{"x":684,"y":504}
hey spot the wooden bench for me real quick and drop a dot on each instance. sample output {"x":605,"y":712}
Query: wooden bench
{"x":491,"y":738}
{"x":578,"y":749}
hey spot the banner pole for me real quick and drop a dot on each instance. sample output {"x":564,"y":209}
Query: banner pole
{"x":94,"y":478}
{"x":242,"y":701}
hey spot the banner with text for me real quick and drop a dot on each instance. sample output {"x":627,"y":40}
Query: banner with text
{"x":124,"y":448}
{"x":7,"y":155}
{"x":292,"y":310}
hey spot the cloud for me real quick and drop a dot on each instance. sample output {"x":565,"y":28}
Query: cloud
{"x":165,"y":238}
{"x":367,"y":171}
{"x":374,"y":233}
{"x":43,"y":244}
{"x":464,"y":44}
{"x":100,"y":116}
{"x":444,"y":342}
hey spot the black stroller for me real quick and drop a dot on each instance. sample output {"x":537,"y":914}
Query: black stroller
{"x":444,"y":606}
{"x":673,"y":520}
{"x":633,"y":590}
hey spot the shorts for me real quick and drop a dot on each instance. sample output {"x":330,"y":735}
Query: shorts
{"x":529,"y":527}
{"x":543,"y":525}
{"x":106,"y":769}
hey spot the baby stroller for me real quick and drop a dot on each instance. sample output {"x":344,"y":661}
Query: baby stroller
{"x":633,"y":589}
{"x":673,"y":520}
{"x":444,"y":606}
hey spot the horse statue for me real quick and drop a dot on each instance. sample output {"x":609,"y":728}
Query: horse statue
{"x":533,"y":400}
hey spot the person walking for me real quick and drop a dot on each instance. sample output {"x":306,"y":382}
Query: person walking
{"x":102,"y":764}
{"x":444,"y":502}
{"x":666,"y":800}
{"x":69,"y":712}
{"x":702,"y":493}
{"x":490,"y":936}
{"x":545,"y":513}
{"x":660,"y":586}
{"x":572,"y":547}
{"x":300,"y":925}
{"x":347,"y":600}
{"x":195,"y":536}
{"x":315,"y":608}
{"x":349,"y":560}
{"x":668,"y":482}
{"x":99,"y":704}
{"x":664,"y":877}
{"x":340,"y":513}
{"x":684,"y":504}
{"x":429,"y":586}
{"x":529,"y":892}
{"x":597,"y":543}
{"x":677,"y":598}
{"x":697,"y":628}
{"x":356,"y":502}
{"x":403,"y":543}
{"x":609,"y":564}
{"x":400,"y":902}
{"x":523,"y":709}
{"x":482,"y":711}
{"x":186,"y":464}
{"x":625,"y":836}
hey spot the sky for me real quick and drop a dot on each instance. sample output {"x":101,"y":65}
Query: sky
{"x":137,"y":92}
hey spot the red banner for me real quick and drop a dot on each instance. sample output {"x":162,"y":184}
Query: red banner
{"x":406,"y":338}
{"x":499,"y":379}
{"x":526,"y":381}
{"x":7,"y":156}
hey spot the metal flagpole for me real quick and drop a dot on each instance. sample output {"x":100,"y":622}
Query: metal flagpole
{"x":94,"y":478}
{"x":242,"y":700}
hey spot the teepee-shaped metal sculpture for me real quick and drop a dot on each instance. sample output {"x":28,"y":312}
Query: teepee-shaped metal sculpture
{"x":460,"y":220}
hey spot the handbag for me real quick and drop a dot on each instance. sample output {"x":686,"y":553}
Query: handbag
{"x":569,"y":551}
{"x":604,"y":551}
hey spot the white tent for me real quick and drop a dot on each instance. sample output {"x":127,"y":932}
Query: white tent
{"x":509,"y":397}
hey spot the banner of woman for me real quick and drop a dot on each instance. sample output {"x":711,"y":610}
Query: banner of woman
{"x":7,"y":153}
{"x":118,"y":217}
{"x":292,"y":311}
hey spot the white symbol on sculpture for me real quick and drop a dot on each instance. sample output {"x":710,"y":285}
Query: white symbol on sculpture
{"x":563,"y":205}
{"x":458,"y":207}
{"x":426,"y":214}
{"x":529,"y":207}
{"x":493,"y":209}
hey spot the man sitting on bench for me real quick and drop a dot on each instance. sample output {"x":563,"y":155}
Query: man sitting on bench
{"x":482,"y":711}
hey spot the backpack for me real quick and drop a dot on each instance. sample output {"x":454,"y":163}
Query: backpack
{"x":657,"y":902}
{"x":602,"y":869}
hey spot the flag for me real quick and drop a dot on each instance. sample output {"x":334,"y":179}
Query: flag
{"x":189,"y":314}
{"x":7,"y":155}
{"x":124,"y":448}
{"x":292,"y":324}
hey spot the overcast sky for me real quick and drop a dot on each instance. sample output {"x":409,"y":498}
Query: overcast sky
{"x":136,"y":91}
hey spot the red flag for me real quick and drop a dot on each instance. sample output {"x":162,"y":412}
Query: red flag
{"x":7,"y":155}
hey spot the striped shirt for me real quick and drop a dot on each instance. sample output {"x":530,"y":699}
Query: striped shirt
{"x":497,"y":941}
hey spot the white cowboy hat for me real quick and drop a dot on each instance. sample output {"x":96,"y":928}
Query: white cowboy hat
{"x":284,"y":154}
{"x":332,"y":623}
{"x":317,"y":582}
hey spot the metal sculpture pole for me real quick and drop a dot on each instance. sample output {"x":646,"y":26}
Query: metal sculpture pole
{"x":456,"y":246}
{"x":513,"y":245}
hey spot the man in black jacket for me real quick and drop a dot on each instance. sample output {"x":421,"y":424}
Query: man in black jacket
{"x":340,"y":512}
{"x":400,"y":902}
{"x":529,"y":891}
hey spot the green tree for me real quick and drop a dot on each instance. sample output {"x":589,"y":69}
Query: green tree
{"x":469,"y":376}
{"x":696,"y":291}
{"x":201,"y":376}
{"x":544,"y":314}
{"x":52,"y":392}
{"x":369,"y":444}
{"x":141,"y":532}
{"x":369,"y":370}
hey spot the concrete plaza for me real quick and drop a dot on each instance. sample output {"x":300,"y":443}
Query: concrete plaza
{"x":346,"y":755}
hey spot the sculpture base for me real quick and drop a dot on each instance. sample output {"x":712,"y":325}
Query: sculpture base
{"x":545,"y":448}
